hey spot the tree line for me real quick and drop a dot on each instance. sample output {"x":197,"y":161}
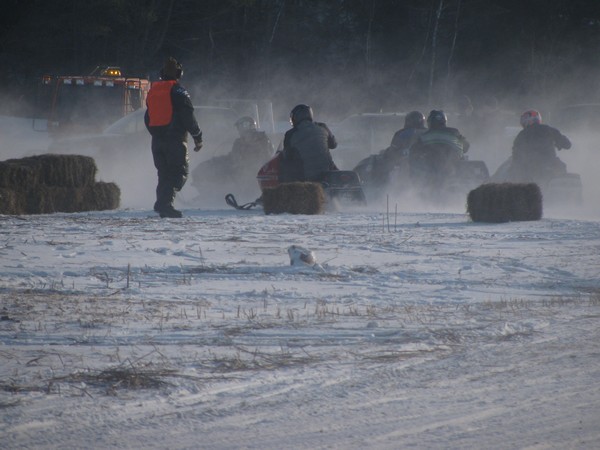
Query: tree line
{"x":341,"y":56}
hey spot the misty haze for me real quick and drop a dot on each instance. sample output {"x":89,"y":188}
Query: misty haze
{"x":410,"y":324}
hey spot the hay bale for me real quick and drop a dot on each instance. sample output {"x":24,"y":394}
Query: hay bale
{"x":96,"y":197}
{"x":49,"y":170}
{"x":13,"y":175}
{"x":50,"y":183}
{"x":11,"y":202}
{"x":270,"y":201}
{"x":50,"y":199}
{"x":101,"y":196}
{"x":294,"y":198}
{"x":505,"y":202}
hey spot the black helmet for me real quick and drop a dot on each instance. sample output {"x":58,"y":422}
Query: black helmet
{"x":437,"y":119}
{"x":300,"y":113}
{"x":172,"y":70}
{"x":414,"y":119}
{"x":245,"y":124}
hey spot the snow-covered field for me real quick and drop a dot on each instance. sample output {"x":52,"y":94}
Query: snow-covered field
{"x":414,"y":330}
{"x":119,"y":329}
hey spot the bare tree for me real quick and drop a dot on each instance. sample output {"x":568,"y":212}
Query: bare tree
{"x":452,"y":46}
{"x":165,"y":27}
{"x":434,"y":37}
{"x":368,"y":40}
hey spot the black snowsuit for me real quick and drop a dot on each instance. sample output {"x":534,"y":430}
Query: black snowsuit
{"x":306,"y":155}
{"x":375,"y":170}
{"x":169,"y":118}
{"x":534,"y":153}
{"x":434,"y":157}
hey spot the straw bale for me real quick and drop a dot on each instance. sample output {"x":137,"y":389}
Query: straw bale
{"x":294,"y":198}
{"x":11,"y":202}
{"x":49,"y":170}
{"x":50,"y":199}
{"x":505,"y":202}
{"x":102,"y":196}
{"x":14,"y":175}
{"x":270,"y":201}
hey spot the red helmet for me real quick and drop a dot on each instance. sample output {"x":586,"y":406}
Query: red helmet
{"x":530,"y":117}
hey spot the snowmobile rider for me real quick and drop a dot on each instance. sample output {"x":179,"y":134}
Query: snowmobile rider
{"x":305,"y":155}
{"x":375,"y":169}
{"x":251,"y":150}
{"x":169,"y":118}
{"x":238,"y":168}
{"x":436,"y":152}
{"x":414,"y":126}
{"x":534,"y":150}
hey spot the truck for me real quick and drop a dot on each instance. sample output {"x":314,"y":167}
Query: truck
{"x":76,"y":104}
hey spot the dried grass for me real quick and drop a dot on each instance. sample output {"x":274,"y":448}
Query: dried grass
{"x":121,"y":377}
{"x":248,"y":360}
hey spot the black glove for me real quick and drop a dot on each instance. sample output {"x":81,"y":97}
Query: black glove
{"x":197,"y":143}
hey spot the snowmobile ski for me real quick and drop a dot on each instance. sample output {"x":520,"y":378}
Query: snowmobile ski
{"x":231,"y":201}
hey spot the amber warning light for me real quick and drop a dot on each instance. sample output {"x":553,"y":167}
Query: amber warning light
{"x":112,"y":72}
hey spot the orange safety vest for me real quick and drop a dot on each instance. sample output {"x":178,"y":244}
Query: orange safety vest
{"x":160,"y":106}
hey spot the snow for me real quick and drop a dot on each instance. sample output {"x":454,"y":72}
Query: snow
{"x":413,"y":330}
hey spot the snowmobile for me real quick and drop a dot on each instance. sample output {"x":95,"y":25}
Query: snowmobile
{"x":436,"y":186}
{"x":378,"y":178}
{"x":469,"y":174}
{"x":557,"y":189}
{"x":426,"y":179}
{"x":341,"y":187}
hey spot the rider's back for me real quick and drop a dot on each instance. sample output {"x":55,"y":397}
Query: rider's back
{"x":538,"y":141}
{"x":534,"y":153}
{"x":310,"y":142}
{"x":446,"y":136}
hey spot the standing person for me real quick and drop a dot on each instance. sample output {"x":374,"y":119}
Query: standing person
{"x":305,"y":155}
{"x":435,"y":154}
{"x":169,"y":118}
{"x":534,"y":150}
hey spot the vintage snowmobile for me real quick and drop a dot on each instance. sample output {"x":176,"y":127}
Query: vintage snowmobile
{"x":449,"y":187}
{"x":341,"y":187}
{"x":426,"y":180}
{"x":557,"y":189}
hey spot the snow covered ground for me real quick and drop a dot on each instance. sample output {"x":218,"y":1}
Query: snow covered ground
{"x":414,"y":330}
{"x":119,"y":329}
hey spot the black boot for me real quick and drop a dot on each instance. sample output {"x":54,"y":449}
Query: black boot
{"x":165,"y":196}
{"x":171,"y":213}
